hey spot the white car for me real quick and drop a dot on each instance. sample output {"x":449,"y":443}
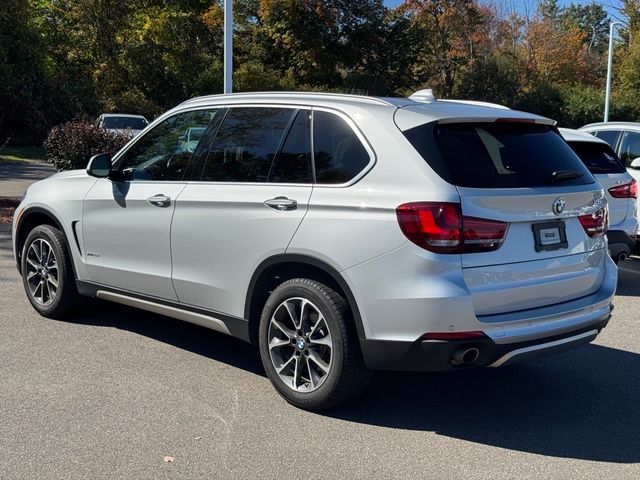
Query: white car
{"x":339,"y":233}
{"x":620,"y":188}
{"x":122,"y":123}
{"x":624,"y":138}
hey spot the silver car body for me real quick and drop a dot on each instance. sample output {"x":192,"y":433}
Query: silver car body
{"x":624,"y":138}
{"x":623,"y":215}
{"x":197,"y":258}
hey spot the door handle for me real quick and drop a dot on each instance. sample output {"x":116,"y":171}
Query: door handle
{"x":159,"y":200}
{"x":281,"y":203}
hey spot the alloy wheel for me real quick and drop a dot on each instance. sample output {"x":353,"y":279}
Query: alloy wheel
{"x":300,"y":344}
{"x":42,"y":272}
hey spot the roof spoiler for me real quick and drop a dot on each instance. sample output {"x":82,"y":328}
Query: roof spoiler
{"x":427,"y":96}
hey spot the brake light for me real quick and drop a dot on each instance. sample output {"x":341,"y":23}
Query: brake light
{"x":514,"y":120}
{"x":440,"y":227}
{"x":596,"y":224}
{"x":628,"y":190}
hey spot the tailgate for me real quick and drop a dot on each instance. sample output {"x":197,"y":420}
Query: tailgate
{"x":519,"y":276}
{"x":524,"y":210}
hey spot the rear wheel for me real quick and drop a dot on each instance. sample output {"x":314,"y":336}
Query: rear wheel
{"x":47,"y":273}
{"x":309,"y":347}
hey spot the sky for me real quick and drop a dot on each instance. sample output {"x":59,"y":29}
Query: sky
{"x":611,"y":6}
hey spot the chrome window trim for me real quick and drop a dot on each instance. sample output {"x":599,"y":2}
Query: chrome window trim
{"x":293,"y":106}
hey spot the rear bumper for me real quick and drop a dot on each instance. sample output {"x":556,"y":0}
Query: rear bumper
{"x":416,"y":296}
{"x":436,"y":355}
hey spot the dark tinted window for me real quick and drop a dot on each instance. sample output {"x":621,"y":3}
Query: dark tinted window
{"x":630,"y":147}
{"x":609,"y":136}
{"x":293,"y":162}
{"x":339,"y":154}
{"x":598,"y":157}
{"x":497,"y":155}
{"x":164,"y":152}
{"x":246,"y":144}
{"x":122,"y":123}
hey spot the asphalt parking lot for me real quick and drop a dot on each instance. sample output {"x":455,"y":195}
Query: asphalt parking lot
{"x":112,"y":391}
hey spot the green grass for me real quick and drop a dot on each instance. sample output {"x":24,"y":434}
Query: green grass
{"x":21,"y":154}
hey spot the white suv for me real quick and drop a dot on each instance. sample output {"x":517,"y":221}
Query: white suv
{"x":339,"y":233}
{"x":620,"y":188}
{"x":624,"y":138}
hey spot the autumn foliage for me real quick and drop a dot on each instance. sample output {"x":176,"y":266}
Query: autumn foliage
{"x":64,"y":59}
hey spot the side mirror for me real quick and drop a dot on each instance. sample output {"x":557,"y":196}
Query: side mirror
{"x":99,"y":166}
{"x":635,"y":163}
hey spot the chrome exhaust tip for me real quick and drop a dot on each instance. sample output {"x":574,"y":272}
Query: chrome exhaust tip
{"x":465,"y":356}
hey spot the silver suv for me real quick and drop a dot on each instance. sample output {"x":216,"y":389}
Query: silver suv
{"x":341,"y":234}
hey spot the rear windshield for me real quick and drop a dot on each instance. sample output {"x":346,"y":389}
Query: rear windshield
{"x":498,"y":155}
{"x":598,"y":157}
{"x":122,"y":123}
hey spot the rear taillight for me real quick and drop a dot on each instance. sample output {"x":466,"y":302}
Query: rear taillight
{"x":628,"y":190}
{"x":596,"y":224}
{"x":441,"y":228}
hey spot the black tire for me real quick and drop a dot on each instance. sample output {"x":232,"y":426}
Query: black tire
{"x":347,"y":376}
{"x":66,"y":295}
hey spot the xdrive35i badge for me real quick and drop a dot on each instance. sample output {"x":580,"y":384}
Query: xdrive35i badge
{"x":558,"y":205}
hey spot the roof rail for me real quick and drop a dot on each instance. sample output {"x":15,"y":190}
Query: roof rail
{"x":263,"y":95}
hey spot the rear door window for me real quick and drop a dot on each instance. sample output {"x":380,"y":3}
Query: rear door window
{"x":598,"y":157}
{"x":629,"y":147}
{"x":338,"y":152}
{"x":246,"y":144}
{"x":498,"y":155}
{"x":609,"y":136}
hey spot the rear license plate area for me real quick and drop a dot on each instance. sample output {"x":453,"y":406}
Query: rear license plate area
{"x":550,"y":235}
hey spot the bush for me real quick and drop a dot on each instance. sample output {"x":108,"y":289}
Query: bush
{"x":71,"y":145}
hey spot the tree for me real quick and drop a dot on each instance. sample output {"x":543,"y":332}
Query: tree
{"x":593,"y":20}
{"x":451,"y":33}
{"x":23,"y":79}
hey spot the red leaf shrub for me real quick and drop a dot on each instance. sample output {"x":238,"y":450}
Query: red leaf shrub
{"x":70,"y":145}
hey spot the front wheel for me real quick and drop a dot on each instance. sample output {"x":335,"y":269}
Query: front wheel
{"x":47,"y":273}
{"x":309,"y":347}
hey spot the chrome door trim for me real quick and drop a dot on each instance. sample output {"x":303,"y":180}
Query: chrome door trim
{"x":177,"y":313}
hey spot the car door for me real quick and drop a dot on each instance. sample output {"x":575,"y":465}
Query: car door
{"x":243,"y":205}
{"x":127,"y":218}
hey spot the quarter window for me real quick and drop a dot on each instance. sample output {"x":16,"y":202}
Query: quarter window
{"x":629,"y":147}
{"x":339,"y":153}
{"x":164,"y":152}
{"x":246,"y":145}
{"x":609,"y":136}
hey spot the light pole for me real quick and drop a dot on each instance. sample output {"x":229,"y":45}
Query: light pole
{"x":228,"y":46}
{"x":607,"y":94}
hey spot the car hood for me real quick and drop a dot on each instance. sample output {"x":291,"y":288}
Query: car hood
{"x":67,"y":174}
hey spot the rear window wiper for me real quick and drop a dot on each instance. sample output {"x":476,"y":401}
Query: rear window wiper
{"x":563,"y":175}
